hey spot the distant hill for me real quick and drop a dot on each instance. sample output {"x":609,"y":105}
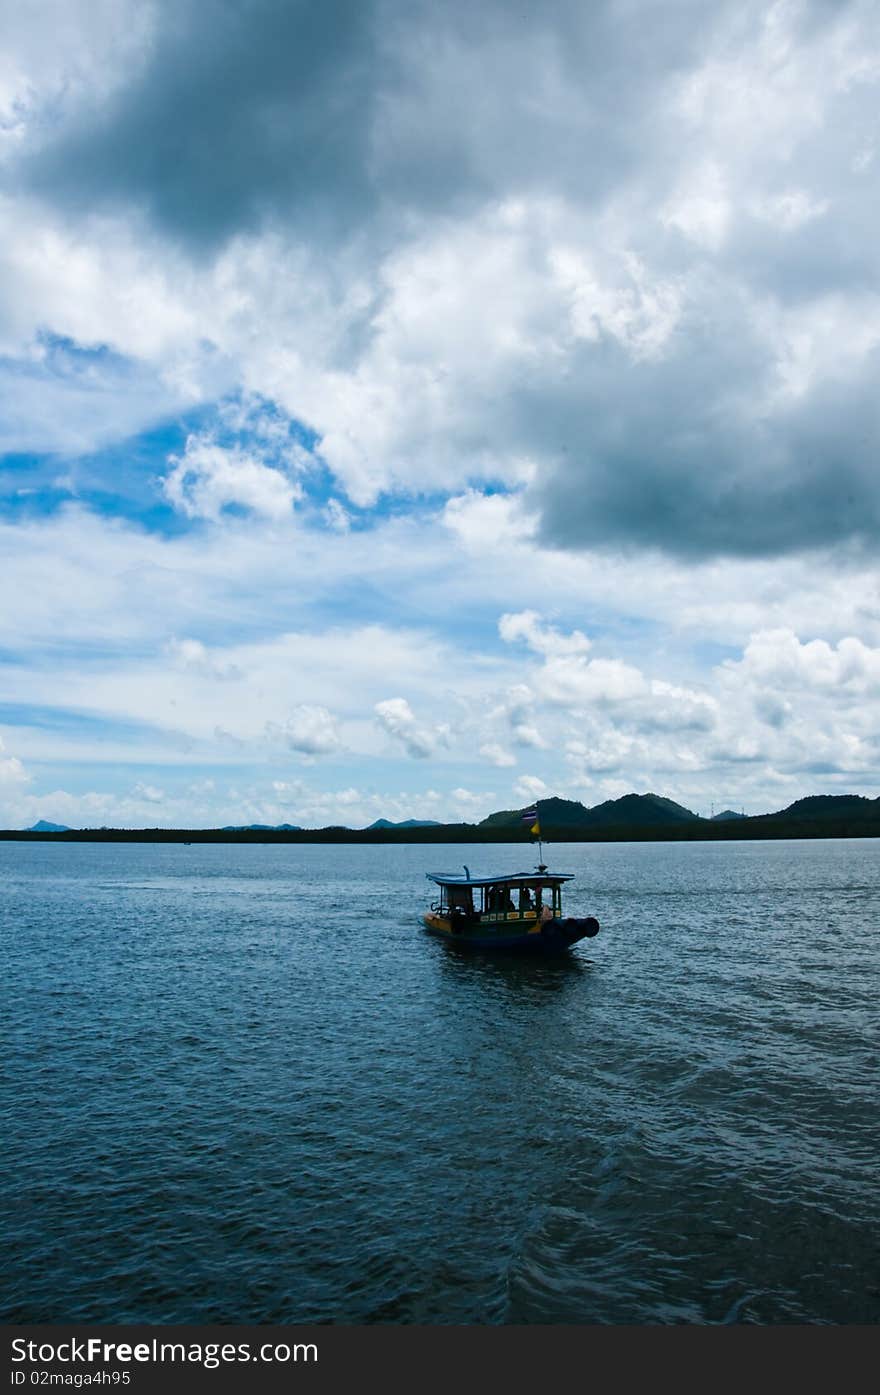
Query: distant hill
{"x":631,"y":810}
{"x":557,"y":813}
{"x":406,"y":823}
{"x":631,"y":818}
{"x":639,"y":810}
{"x":505,"y":818}
{"x":823,"y":806}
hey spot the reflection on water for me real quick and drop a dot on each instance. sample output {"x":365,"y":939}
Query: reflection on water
{"x":521,"y":976}
{"x":244,"y":1085}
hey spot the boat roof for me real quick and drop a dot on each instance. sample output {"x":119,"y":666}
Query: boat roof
{"x":502,"y":879}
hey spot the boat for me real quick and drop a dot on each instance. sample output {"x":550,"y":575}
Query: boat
{"x":510,"y":911}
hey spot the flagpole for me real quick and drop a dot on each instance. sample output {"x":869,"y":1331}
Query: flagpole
{"x":534,"y":819}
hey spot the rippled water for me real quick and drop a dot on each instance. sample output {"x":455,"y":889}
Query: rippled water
{"x":242,"y":1085}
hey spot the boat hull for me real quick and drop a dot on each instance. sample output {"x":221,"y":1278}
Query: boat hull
{"x":539,"y":937}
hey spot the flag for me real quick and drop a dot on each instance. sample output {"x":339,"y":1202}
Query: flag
{"x":530,"y":816}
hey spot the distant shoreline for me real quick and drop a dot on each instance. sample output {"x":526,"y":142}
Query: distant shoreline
{"x":759,"y":828}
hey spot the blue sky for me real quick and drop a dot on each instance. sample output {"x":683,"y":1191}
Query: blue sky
{"x":411,"y":411}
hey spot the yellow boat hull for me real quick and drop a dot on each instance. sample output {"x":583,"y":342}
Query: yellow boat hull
{"x":511,"y":931}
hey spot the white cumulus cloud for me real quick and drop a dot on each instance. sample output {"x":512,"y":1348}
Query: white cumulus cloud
{"x":496,"y":754}
{"x":209,"y":478}
{"x":399,"y":721}
{"x":530,"y":787}
{"x":313,"y":731}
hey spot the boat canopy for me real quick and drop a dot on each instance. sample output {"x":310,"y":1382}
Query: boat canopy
{"x":504,"y":879}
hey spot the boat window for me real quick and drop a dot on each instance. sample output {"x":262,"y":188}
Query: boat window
{"x":498,"y":900}
{"x":460,"y":898}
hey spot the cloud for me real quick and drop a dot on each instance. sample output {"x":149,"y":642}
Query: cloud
{"x":209,"y":478}
{"x":226,"y":115}
{"x":617,"y":718}
{"x":518,"y":707}
{"x":148,"y":794}
{"x":621,"y":260}
{"x":544,"y":639}
{"x":57,"y":399}
{"x":193,"y":656}
{"x":285,"y":687}
{"x":470,"y":805}
{"x":526,"y":734}
{"x":530,"y":787}
{"x":607,"y":749}
{"x":679,"y":709}
{"x":12,"y":772}
{"x":338,"y":517}
{"x":496,"y":754}
{"x":487,"y":522}
{"x":354,"y":807}
{"x":800,"y":707}
{"x":568,"y":677}
{"x":187,"y":803}
{"x":398,"y":719}
{"x":779,"y":661}
{"x":562,"y":313}
{"x":273,"y":112}
{"x":310,"y":730}
{"x":134,"y":602}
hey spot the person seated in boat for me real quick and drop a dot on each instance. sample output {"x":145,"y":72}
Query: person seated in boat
{"x":525,"y":900}
{"x":460,"y":902}
{"x":498,"y":900}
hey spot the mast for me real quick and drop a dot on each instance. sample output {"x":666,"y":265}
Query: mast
{"x":531,"y":818}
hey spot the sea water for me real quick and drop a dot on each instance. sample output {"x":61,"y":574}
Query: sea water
{"x":241,"y":1084}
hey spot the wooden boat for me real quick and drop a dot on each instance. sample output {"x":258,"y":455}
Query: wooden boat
{"x":518,"y":911}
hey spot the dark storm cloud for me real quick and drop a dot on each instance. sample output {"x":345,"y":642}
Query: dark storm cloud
{"x":237,"y":107}
{"x":667,"y":464}
{"x":326,"y":114}
{"x":389,"y":120}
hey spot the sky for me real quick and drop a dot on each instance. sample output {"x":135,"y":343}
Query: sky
{"x":414,"y":410}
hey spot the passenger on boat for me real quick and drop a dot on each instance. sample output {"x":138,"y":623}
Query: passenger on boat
{"x":499,"y":899}
{"x":525,"y":900}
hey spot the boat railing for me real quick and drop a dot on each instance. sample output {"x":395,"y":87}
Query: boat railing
{"x":531,"y":914}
